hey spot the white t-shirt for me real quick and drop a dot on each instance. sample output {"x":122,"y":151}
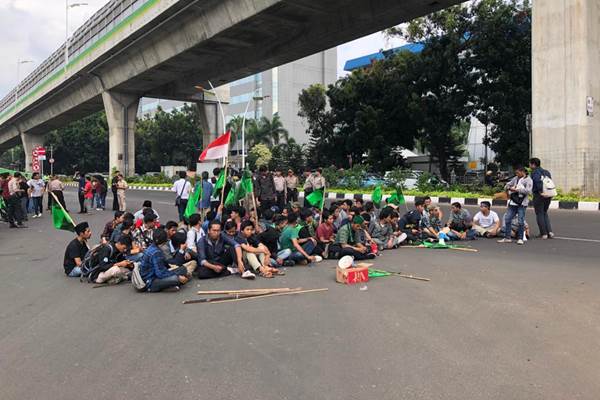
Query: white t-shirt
{"x":37,"y":187}
{"x":182,"y":188}
{"x":486,"y":221}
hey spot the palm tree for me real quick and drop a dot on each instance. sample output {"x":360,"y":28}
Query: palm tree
{"x":235,"y":126}
{"x":268,"y":132}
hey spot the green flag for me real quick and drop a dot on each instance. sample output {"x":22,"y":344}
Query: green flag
{"x":246,"y":185}
{"x":315,"y":198}
{"x":192,"y":203}
{"x":61,"y":219}
{"x":376,"y":195}
{"x":397,"y":198}
{"x":232,"y":196}
{"x":220,"y":180}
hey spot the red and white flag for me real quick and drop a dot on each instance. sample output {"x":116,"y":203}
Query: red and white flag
{"x":217,"y":149}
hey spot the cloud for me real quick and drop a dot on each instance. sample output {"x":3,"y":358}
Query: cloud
{"x":32,"y":30}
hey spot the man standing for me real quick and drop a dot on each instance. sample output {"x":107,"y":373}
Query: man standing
{"x":540,"y":203}
{"x":36,"y":188}
{"x":280,"y":189}
{"x":121,"y":188}
{"x":56,"y":187}
{"x":265,"y":189}
{"x":291,"y":186}
{"x":182,"y":187}
{"x":113,"y":188}
{"x":313,"y":182}
{"x":15,"y":192}
{"x":81,"y":193}
{"x":519,"y":189}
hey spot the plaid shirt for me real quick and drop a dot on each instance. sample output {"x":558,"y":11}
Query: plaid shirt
{"x":142,"y":236}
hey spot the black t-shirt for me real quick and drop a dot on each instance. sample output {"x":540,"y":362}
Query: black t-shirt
{"x":74,"y":250}
{"x":410,"y":220}
{"x":270,"y":238}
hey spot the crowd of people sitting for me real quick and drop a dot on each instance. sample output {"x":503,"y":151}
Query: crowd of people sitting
{"x":221,"y":241}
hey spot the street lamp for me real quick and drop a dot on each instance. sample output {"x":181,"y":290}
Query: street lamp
{"x":67,"y":7}
{"x":19,"y":62}
{"x":253,"y":98}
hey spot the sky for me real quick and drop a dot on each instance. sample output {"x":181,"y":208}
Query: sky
{"x":32,"y":29}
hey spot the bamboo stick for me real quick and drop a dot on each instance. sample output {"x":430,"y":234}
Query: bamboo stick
{"x":249,"y":296}
{"x":274,"y":290}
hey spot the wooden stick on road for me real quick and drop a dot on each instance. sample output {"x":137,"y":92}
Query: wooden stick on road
{"x":271,"y":290}
{"x":249,"y":296}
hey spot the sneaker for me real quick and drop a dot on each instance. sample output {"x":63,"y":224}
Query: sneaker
{"x":544,"y":237}
{"x":505,"y":241}
{"x":34,"y":216}
{"x":520,"y":241}
{"x":318,"y":259}
{"x":248,"y":275}
{"x":40,"y":215}
{"x":233,"y":270}
{"x":288,"y":263}
{"x":551,"y":235}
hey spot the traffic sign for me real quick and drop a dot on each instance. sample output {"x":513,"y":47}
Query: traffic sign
{"x":51,"y":161}
{"x":41,"y":151}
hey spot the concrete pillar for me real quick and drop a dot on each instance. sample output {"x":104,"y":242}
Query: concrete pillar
{"x":211,"y":121}
{"x":30,"y":141}
{"x":121,"y":110}
{"x":566,"y":58}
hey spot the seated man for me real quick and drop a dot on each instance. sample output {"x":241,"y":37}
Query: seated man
{"x":432,"y":226}
{"x":381,"y":230}
{"x":486,"y":222}
{"x":346,"y":242}
{"x":194,"y":234}
{"x":255,"y":254}
{"x":76,"y":250}
{"x":325,"y":232}
{"x":343,"y":216}
{"x":117,"y":232}
{"x":139,"y":214}
{"x":410,"y":223}
{"x":460,"y":223}
{"x":270,"y":238}
{"x":301,"y":249}
{"x":112,"y":265}
{"x":217,"y":254}
{"x":177,"y":254}
{"x":142,"y":236}
{"x":154,"y":268}
{"x":110,"y":226}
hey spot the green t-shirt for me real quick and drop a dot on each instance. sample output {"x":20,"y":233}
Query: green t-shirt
{"x":289,"y":233}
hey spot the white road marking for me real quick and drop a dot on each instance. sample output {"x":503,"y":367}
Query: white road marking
{"x":577,"y":239}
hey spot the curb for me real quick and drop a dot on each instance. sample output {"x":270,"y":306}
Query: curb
{"x":469,"y":201}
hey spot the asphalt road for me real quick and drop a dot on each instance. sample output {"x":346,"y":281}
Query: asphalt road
{"x":508,"y":322}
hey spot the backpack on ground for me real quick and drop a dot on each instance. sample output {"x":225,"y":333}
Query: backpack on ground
{"x":90,"y":266}
{"x":136,"y":278}
{"x":548,"y":186}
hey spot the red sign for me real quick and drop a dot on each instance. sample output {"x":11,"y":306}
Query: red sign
{"x":41,"y":151}
{"x":35,"y":164}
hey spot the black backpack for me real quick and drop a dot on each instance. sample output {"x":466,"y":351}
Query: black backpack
{"x":90,"y":266}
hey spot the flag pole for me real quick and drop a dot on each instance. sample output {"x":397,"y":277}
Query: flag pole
{"x":322,"y":205}
{"x":61,"y":206}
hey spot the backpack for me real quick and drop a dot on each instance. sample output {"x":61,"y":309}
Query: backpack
{"x":136,"y":278}
{"x":548,"y":186}
{"x":90,"y":266}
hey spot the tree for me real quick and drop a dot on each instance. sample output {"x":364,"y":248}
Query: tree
{"x":259,"y":155}
{"x":13,"y":158}
{"x":288,"y":155}
{"x":235,"y":126}
{"x":267,"y":131}
{"x":171,"y":138}
{"x":82,"y":145}
{"x":500,"y":55}
{"x":444,"y":83}
{"x":312,"y":103}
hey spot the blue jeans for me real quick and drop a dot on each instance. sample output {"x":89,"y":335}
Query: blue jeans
{"x":99,"y":200}
{"x":308,"y":247}
{"x":510,"y":214}
{"x":75,"y":272}
{"x":37,"y":205}
{"x":181,"y":208}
